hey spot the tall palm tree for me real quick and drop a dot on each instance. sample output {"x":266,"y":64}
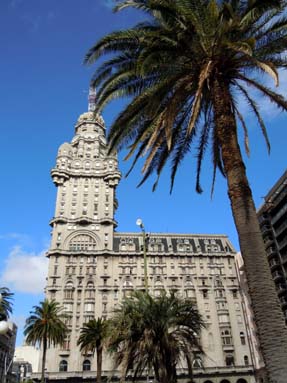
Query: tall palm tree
{"x":148,"y":333}
{"x":45,"y":326}
{"x":92,"y":337}
{"x":183,"y":70}
{"x":5,"y":303}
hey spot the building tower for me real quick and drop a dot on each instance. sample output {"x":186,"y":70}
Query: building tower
{"x":92,"y":267}
{"x":272,"y":217}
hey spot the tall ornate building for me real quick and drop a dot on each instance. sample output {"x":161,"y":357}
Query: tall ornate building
{"x":92,"y":267}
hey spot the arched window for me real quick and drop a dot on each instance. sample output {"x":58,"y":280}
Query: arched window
{"x":127,"y":283}
{"x":63,"y":366}
{"x":241,"y":380}
{"x":84,"y":242}
{"x":68,"y":292}
{"x":207,"y":381}
{"x":158,"y":282}
{"x":86,"y":365}
{"x":246,"y":360}
{"x":188,"y":281}
{"x":226,"y":337}
{"x":90,"y":285}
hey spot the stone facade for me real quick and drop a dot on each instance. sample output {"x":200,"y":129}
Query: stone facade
{"x":92,"y":267}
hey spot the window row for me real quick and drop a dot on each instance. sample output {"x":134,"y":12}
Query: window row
{"x":63,"y":366}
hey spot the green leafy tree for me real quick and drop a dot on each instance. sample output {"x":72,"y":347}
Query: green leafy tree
{"x":182,"y":71}
{"x":92,"y":338}
{"x":152,"y":333}
{"x":5,"y":303}
{"x":46,"y":326}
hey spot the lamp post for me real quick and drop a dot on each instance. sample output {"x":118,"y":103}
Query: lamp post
{"x":139,"y":223}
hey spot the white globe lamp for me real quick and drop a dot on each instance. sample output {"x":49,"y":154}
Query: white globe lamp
{"x":4,"y":327}
{"x":139,"y":222}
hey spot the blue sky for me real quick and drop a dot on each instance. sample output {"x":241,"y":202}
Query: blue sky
{"x":43,"y":90}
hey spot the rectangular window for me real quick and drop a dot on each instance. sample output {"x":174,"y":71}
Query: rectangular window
{"x":89,"y":307}
{"x":204,"y":294}
{"x":68,"y":294}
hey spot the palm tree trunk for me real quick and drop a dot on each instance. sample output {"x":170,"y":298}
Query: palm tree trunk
{"x":269,"y":319}
{"x":99,"y":364}
{"x":156,"y":369}
{"x":189,"y":365}
{"x":44,"y":360}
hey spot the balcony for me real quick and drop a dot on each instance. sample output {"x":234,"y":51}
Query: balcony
{"x":264,"y":219}
{"x":277,"y":276}
{"x":283,"y":244}
{"x":274,"y":263}
{"x":279,"y":215}
{"x":222,"y":311}
{"x":280,"y":229}
{"x":271,"y":251}
{"x":281,"y":288}
{"x":266,"y":229}
{"x":228,"y":347}
{"x":283,"y":301}
{"x":268,"y":241}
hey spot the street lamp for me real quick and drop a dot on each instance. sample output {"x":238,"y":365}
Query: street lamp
{"x":139,"y":223}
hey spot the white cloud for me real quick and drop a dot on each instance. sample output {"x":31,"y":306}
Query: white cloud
{"x":25,"y":272}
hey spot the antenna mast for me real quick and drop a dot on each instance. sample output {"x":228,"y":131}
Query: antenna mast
{"x":92,"y":99}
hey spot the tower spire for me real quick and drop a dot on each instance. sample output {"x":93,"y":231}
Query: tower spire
{"x":92,"y":98}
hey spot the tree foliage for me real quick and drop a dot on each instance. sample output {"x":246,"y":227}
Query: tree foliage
{"x":6,"y":303}
{"x":46,"y":326}
{"x":167,"y":66}
{"x":182,"y":72}
{"x":46,"y":322}
{"x":152,"y":333}
{"x":92,"y":335}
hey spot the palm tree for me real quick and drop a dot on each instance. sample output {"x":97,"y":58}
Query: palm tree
{"x":183,"y":70}
{"x":45,"y":326}
{"x":153,"y":333}
{"x":92,"y":337}
{"x":5,"y":303}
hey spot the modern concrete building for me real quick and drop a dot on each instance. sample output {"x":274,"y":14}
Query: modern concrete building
{"x":92,"y":267}
{"x":26,"y":361}
{"x":272,"y":217}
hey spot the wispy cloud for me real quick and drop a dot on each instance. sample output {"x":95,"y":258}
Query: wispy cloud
{"x":20,"y":239}
{"x":24,"y":272}
{"x":108,"y":3}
